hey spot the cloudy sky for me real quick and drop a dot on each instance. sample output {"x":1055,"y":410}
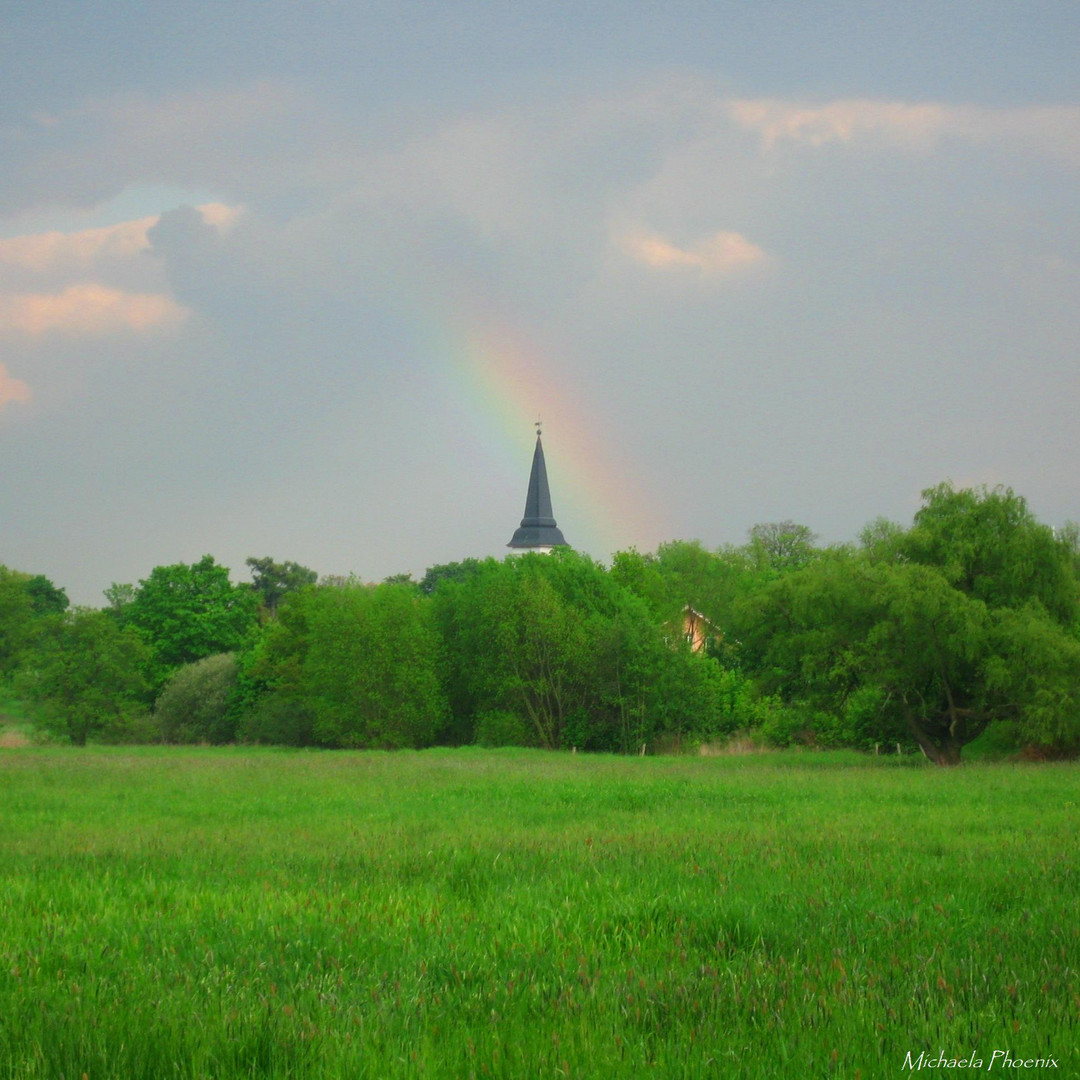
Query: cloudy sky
{"x":295,"y":279}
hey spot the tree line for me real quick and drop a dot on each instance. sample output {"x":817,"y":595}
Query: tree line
{"x":963,"y":624}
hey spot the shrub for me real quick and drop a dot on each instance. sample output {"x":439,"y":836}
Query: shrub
{"x":194,"y":705}
{"x":501,"y":728}
{"x":277,"y":720}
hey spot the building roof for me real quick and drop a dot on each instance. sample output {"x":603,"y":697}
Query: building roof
{"x":538,"y":528}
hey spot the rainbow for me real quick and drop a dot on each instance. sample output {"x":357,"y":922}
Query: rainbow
{"x":509,"y":382}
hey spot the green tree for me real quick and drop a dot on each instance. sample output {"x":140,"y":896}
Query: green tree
{"x":85,"y":673}
{"x":966,"y":619}
{"x":444,"y":572}
{"x":17,"y":618}
{"x":782,"y":545}
{"x":274,"y":581}
{"x":544,"y":649}
{"x":25,"y":601}
{"x":46,"y":598}
{"x":118,"y":596}
{"x":358,"y":662}
{"x":683,"y":574}
{"x":187,"y":612}
{"x":990,"y":546}
{"x":559,"y":643}
{"x":641,"y":574}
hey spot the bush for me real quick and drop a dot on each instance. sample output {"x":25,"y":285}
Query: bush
{"x":794,"y":724}
{"x":277,"y":720}
{"x":500,"y":728}
{"x":137,"y":728}
{"x":194,"y":706}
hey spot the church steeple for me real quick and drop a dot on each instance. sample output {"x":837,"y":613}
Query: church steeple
{"x":538,"y":531}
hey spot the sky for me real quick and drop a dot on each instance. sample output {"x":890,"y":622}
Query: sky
{"x":296,"y":279}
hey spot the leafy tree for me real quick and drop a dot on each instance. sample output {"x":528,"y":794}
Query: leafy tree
{"x":358,"y":662}
{"x":544,"y":651}
{"x":518,"y":636}
{"x":25,"y":602}
{"x":641,"y":574}
{"x":682,"y":573}
{"x":782,"y":545}
{"x":86,"y":675}
{"x":966,"y":619}
{"x":274,"y":581}
{"x":883,"y":540}
{"x":195,"y":705}
{"x":45,"y":597}
{"x":118,"y":596}
{"x":17,"y":617}
{"x":989,"y":546}
{"x":455,"y":571}
{"x":187,"y":612}
{"x":559,"y":643}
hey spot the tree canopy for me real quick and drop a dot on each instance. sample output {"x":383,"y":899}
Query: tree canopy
{"x":560,"y":643}
{"x":86,"y":674}
{"x":359,"y":664}
{"x":274,"y":581}
{"x":964,"y":622}
{"x":187,"y":612}
{"x":969,"y":617}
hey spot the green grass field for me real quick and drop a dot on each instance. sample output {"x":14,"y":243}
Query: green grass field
{"x":222,"y":913}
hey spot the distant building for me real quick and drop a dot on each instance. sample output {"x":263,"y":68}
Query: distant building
{"x":538,"y":531}
{"x":698,"y":631}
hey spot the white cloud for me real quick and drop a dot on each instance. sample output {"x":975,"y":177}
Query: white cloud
{"x":12,"y":389}
{"x":88,"y":310}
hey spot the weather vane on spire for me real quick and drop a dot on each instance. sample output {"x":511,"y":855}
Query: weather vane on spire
{"x":538,"y":531}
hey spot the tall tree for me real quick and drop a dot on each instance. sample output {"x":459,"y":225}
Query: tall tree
{"x":684,"y":574}
{"x":360,"y":660}
{"x":561,"y":644}
{"x":17,"y":617}
{"x":273,"y":581}
{"x":25,"y":601}
{"x":966,"y":619}
{"x":46,"y":597}
{"x":989,"y":545}
{"x":186,"y":612}
{"x":194,"y":706}
{"x":782,"y":545}
{"x":86,"y":674}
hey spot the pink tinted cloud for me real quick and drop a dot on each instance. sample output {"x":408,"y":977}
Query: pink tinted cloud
{"x":45,"y":251}
{"x":719,"y":253}
{"x":77,"y":251}
{"x":88,"y":310}
{"x":1052,"y":131}
{"x":842,"y":121}
{"x":12,"y":389}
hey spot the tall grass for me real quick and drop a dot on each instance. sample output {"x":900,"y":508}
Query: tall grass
{"x":225,"y":913}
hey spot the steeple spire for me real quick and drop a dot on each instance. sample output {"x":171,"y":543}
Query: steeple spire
{"x":538,"y":531}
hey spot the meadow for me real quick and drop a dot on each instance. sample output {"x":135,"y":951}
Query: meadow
{"x":218,"y":913}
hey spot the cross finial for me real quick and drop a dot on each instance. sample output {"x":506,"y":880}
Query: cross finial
{"x":537,"y":426}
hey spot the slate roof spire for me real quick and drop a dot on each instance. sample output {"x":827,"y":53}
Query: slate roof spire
{"x":538,"y":531}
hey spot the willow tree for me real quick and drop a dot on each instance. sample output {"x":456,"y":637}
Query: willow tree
{"x":967,"y":618}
